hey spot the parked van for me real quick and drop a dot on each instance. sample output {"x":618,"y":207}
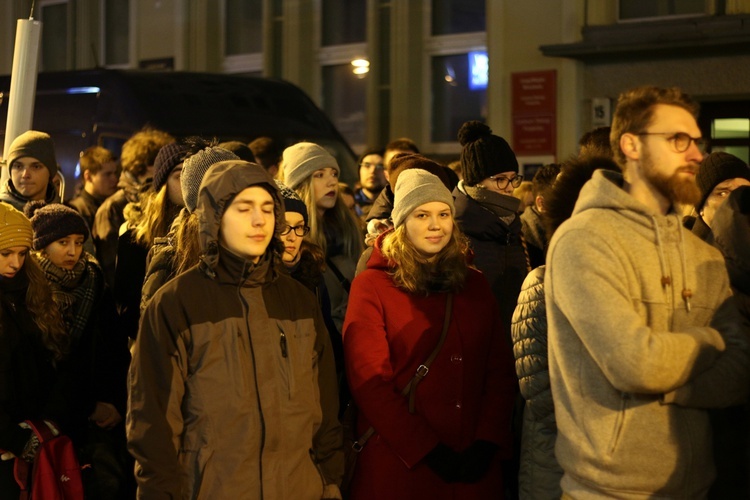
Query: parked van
{"x":105,"y":107}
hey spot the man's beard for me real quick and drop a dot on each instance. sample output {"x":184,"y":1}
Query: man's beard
{"x":678,"y":187}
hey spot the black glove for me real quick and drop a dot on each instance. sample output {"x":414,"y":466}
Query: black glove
{"x":477,"y":459}
{"x":445,"y":462}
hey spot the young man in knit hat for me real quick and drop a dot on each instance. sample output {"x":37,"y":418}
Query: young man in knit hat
{"x":720,"y":173}
{"x":644,"y":333}
{"x":232,"y":387}
{"x":32,"y":166}
{"x":100,"y":174}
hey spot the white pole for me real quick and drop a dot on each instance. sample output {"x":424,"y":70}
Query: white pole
{"x":22,"y":81}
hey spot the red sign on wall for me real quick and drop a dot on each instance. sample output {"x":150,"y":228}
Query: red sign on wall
{"x":534,"y":113}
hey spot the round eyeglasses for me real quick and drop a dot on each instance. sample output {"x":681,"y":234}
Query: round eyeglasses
{"x":503,"y":181}
{"x":298,"y":230}
{"x":680,"y":140}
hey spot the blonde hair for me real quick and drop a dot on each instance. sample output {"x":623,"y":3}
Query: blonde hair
{"x":338,"y":218}
{"x":187,"y":244}
{"x":154,"y":217}
{"x":411,"y":271}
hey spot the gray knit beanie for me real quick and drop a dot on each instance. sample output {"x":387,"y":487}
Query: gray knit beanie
{"x":195,"y":167}
{"x":304,"y":158}
{"x":37,"y":145}
{"x":416,"y":187}
{"x":717,"y":168}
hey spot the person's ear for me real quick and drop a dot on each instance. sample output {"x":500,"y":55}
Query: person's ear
{"x":86,"y":176}
{"x":630,"y":145}
{"x":539,"y":202}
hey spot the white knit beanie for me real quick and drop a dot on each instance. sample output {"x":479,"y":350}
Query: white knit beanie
{"x":416,"y":187}
{"x":304,"y":158}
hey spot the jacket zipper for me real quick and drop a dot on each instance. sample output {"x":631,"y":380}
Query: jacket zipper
{"x":282,"y":341}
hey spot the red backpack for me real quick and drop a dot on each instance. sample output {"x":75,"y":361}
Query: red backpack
{"x":55,"y":473}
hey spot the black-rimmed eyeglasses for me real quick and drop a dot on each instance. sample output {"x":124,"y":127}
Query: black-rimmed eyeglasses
{"x":680,"y":140}
{"x":502,"y":181}
{"x":298,"y":230}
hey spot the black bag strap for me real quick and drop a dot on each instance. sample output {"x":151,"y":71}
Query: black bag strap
{"x":345,"y":283}
{"x":422,"y":371}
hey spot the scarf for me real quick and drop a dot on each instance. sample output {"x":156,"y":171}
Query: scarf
{"x":504,"y":207}
{"x":73,"y":291}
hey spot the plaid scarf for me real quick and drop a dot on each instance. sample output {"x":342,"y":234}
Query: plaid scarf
{"x":73,"y":291}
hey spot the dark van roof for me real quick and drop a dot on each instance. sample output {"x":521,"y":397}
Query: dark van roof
{"x":102,"y":106}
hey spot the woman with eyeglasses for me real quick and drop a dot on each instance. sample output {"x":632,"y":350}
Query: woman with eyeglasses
{"x":489,"y":215}
{"x":306,"y":262}
{"x":313,"y":173}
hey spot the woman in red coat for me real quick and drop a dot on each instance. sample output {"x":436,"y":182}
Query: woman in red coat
{"x":453,"y":443}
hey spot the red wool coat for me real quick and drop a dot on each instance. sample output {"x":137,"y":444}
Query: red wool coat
{"x":468,"y":394}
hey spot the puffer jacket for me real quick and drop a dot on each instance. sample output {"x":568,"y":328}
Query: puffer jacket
{"x":540,"y":474}
{"x":232,"y":386}
{"x":634,"y":360}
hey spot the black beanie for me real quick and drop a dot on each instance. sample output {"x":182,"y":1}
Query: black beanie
{"x":716,"y":168}
{"x":37,"y":145}
{"x":292,"y":201}
{"x":166,"y":160}
{"x":53,"y":222}
{"x":483,"y":154}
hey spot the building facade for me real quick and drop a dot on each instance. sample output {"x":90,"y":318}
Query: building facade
{"x":539,"y":72}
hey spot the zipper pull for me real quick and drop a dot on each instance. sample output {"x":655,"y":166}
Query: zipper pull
{"x":282,"y":341}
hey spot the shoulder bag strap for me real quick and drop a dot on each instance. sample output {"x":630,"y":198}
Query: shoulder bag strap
{"x":422,"y":371}
{"x":345,"y":283}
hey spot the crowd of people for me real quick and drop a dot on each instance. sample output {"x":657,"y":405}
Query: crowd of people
{"x":226,"y":320}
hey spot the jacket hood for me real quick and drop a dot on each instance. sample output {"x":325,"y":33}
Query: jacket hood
{"x":731,"y":230}
{"x":377,"y":260}
{"x":222,"y":182}
{"x":605,"y":190}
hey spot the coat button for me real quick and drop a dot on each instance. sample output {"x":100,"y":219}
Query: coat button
{"x":456,"y":359}
{"x":458,"y":404}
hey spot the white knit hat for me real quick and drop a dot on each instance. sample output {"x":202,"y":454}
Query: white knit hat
{"x":301,"y":160}
{"x":416,"y":187}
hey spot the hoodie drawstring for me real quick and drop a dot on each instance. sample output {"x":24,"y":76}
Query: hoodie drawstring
{"x":666,"y":280}
{"x":686,"y":292}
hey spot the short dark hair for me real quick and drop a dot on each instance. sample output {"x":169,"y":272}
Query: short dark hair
{"x":402,"y":144}
{"x":368,"y":152}
{"x":595,"y":143}
{"x":635,"y":109}
{"x":544,"y":178}
{"x":267,"y":151}
{"x":93,"y":158}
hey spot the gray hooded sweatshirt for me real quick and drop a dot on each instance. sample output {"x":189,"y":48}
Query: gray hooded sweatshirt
{"x":644,"y":335}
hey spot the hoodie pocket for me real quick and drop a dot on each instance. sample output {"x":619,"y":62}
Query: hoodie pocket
{"x":619,"y":422}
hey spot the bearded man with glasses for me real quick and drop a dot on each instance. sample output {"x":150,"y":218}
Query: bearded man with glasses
{"x":644,"y":333}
